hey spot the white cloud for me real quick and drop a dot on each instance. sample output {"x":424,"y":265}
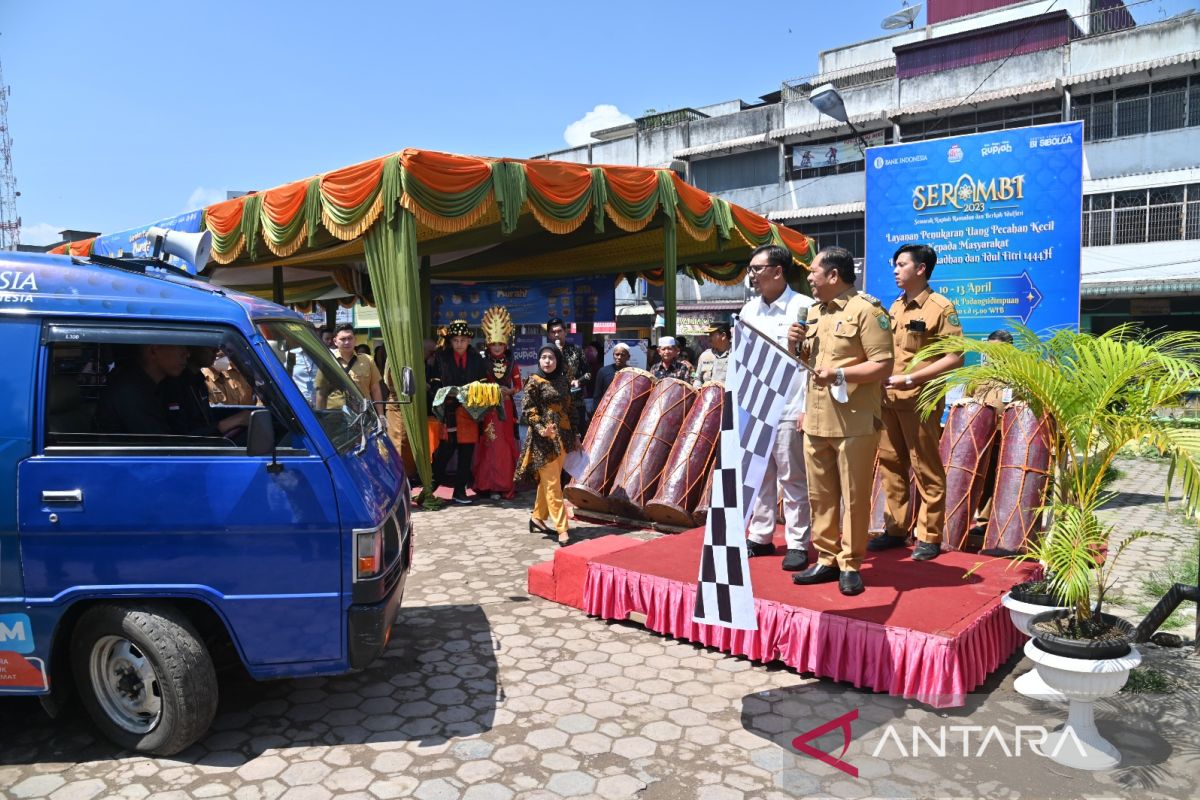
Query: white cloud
{"x":203,"y":196}
{"x":41,"y":233}
{"x":601,"y":117}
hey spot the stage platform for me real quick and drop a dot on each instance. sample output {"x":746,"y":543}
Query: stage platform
{"x":930,"y":631}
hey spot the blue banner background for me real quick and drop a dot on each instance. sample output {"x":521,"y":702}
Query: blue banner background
{"x":1001,"y":258}
{"x":578,"y":300}
{"x":134,"y":241}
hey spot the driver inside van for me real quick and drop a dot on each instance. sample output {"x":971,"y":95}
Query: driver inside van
{"x":141,"y":397}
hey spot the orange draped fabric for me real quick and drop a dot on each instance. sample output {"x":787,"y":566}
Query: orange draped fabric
{"x":444,"y":172}
{"x":750,"y":221}
{"x":61,"y":250}
{"x":632,"y":184}
{"x":797,"y":242}
{"x":223,"y":217}
{"x":558,"y":182}
{"x":349,"y":187}
{"x":697,"y":201}
{"x":283,"y":203}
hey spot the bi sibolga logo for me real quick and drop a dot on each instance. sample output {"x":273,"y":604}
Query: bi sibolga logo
{"x":16,"y":633}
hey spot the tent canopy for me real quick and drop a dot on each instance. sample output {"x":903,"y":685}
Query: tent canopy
{"x":420,"y":215}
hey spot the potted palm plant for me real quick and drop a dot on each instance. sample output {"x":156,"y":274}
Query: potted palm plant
{"x":1100,"y":393}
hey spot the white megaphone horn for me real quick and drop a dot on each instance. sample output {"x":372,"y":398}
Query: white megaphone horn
{"x":194,"y":248}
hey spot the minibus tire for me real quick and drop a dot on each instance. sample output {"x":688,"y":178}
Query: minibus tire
{"x":144,"y":676}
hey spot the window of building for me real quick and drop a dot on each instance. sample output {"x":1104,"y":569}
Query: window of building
{"x":847,"y":233}
{"x":1042,"y":112}
{"x":737,"y":171}
{"x":1133,"y":110}
{"x":1161,"y":214}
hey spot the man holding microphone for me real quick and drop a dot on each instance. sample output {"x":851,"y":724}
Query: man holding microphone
{"x":773,"y":313}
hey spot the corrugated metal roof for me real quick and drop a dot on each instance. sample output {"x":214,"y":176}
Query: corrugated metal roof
{"x":1128,"y":69}
{"x":728,"y":144}
{"x":828,"y":125}
{"x":1142,"y":180}
{"x":796,"y":214}
{"x":1141,"y":270}
{"x":1038,"y":87}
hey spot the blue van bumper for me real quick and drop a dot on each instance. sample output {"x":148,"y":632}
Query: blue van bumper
{"x":370,"y":622}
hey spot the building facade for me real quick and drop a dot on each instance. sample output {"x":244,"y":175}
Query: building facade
{"x":976,"y":66}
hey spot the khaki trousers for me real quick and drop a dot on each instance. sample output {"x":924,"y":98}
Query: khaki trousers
{"x":549,"y":502}
{"x":840,"y":471}
{"x":910,"y":442}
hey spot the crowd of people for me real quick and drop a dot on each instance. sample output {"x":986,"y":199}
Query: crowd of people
{"x":854,"y":405}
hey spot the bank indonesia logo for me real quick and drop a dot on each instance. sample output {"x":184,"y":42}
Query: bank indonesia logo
{"x":878,"y":162}
{"x":955,"y":154}
{"x":16,"y":634}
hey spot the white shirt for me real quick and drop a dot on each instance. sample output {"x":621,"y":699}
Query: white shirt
{"x":774,"y":319}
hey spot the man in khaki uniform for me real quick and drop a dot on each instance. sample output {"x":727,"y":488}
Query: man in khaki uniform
{"x":360,"y":368}
{"x":848,"y":344}
{"x":920,"y":316}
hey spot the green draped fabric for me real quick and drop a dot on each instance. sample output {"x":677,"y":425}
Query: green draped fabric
{"x":349,"y":216}
{"x":562,"y":212}
{"x":637,"y":211}
{"x":390,"y":247}
{"x":312,"y":210}
{"x":445,"y":205}
{"x":599,"y":198}
{"x":280,"y":235}
{"x":509,"y":188}
{"x":226,"y":243}
{"x":251,"y":218}
{"x":724,"y":219}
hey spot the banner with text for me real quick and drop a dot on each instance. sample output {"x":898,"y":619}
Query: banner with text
{"x":137,"y":243}
{"x":574,"y":300}
{"x":1001,"y":209}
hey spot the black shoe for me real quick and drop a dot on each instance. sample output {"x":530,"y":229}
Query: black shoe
{"x":760,"y":549}
{"x":462,"y":500}
{"x":538,"y":527}
{"x":850,"y":584}
{"x":818,"y":573}
{"x":886,"y":542}
{"x":926,"y":551}
{"x":795,"y":560}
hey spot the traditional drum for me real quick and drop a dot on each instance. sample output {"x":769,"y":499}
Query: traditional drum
{"x":642,"y":467}
{"x":965,"y":448}
{"x":690,"y":461}
{"x":1022,"y":477}
{"x":608,"y":436}
{"x":877,"y":524}
{"x":700,"y":515}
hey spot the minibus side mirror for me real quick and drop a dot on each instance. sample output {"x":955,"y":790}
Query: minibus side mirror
{"x":260,"y":435}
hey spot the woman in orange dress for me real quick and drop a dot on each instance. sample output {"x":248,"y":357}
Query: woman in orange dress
{"x":496,"y":453}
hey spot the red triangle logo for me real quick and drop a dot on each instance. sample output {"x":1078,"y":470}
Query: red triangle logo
{"x":17,"y":673}
{"x":801,"y":742}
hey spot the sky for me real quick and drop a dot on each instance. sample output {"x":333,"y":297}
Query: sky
{"x":123,"y":113}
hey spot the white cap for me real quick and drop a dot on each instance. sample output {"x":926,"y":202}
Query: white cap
{"x":667,"y":341}
{"x":621,"y":346}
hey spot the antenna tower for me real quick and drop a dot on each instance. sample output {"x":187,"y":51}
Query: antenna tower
{"x":10,"y":223}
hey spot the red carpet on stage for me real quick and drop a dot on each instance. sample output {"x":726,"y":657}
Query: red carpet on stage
{"x":922,"y":630}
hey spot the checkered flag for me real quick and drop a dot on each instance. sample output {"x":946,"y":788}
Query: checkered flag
{"x":756,"y":391}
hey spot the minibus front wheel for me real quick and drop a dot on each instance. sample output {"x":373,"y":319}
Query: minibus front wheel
{"x":144,"y":675}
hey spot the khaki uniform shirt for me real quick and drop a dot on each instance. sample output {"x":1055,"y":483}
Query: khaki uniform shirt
{"x":712,"y":366}
{"x":363,"y":372}
{"x":850,"y":329}
{"x":228,"y":388}
{"x":928,"y":310}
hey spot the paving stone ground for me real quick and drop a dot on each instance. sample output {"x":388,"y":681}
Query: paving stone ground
{"x":486,"y":692}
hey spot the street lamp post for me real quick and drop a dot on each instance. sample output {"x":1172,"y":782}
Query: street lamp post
{"x":830,"y":103}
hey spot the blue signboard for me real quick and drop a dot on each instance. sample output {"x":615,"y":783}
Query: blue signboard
{"x":1001,"y":209}
{"x":578,"y":300}
{"x":136,"y":243}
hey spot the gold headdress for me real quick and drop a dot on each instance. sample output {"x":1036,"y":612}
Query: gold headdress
{"x":497,"y":325}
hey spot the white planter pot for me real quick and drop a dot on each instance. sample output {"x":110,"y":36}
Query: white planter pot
{"x":1030,"y":684}
{"x":1082,"y":681}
